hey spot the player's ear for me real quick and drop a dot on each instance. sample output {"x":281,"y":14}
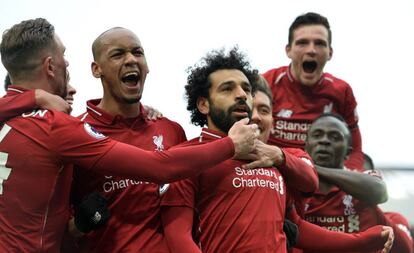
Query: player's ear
{"x":48,"y":66}
{"x":348,"y":151}
{"x":330,"y":53}
{"x":96,"y":70}
{"x":288,"y":51}
{"x":203,"y":105}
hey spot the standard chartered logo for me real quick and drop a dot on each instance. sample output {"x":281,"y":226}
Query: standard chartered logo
{"x":291,"y":131}
{"x":119,"y":184}
{"x":265,"y":178}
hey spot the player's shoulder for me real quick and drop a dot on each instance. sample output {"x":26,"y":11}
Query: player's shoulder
{"x":336,"y":82}
{"x":166,"y":122}
{"x":39,"y":124}
{"x":193,"y":142}
{"x":274,"y":75}
{"x":41,"y":116}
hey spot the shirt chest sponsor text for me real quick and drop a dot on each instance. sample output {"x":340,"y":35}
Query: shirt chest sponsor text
{"x":114,"y":184}
{"x":258,"y":178}
{"x":292,"y":131}
{"x":340,"y":223}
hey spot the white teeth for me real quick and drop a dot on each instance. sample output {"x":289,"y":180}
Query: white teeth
{"x":131,"y":74}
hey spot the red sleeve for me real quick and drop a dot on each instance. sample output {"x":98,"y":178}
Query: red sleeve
{"x":12,"y":106}
{"x":77,"y":142}
{"x":270,"y":76}
{"x":178,"y":223}
{"x":356,"y":158}
{"x":403,"y":241}
{"x":167,"y":166}
{"x":369,"y":240}
{"x":299,"y":170}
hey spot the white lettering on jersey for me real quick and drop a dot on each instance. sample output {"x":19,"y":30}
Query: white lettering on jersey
{"x":273,"y":181}
{"x":40,"y":113}
{"x":333,"y":223}
{"x":285,"y":113}
{"x":4,"y":171}
{"x":292,"y":131}
{"x":120,"y":184}
{"x":158,"y":142}
{"x":92,"y":132}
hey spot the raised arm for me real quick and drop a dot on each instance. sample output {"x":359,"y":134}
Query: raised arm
{"x":355,"y":159}
{"x":362,"y":186}
{"x":167,"y":166}
{"x":178,"y":162}
{"x":294,"y":164}
{"x":15,"y":105}
{"x":375,"y":238}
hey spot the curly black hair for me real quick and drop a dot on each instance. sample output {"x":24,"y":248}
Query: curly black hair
{"x":199,"y":83}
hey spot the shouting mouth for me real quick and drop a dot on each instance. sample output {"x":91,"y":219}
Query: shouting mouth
{"x":309,"y":66}
{"x":131,"y":79}
{"x":241,"y":110}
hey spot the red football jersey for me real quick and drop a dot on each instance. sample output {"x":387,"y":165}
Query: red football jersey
{"x":296,"y":106}
{"x":35,"y":177}
{"x":403,"y":242}
{"x":12,"y":106}
{"x":339,"y":211}
{"x":42,"y":143}
{"x":239,"y":210}
{"x":134,"y":205}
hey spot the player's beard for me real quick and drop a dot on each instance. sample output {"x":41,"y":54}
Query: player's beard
{"x":223,"y":119}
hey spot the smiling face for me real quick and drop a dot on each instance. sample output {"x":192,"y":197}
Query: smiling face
{"x":262,"y":114}
{"x":328,"y":142}
{"x":121,"y":65}
{"x":230,"y":99}
{"x":309,"y":52}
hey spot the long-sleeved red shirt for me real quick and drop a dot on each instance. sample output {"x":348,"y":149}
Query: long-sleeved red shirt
{"x":296,"y":106}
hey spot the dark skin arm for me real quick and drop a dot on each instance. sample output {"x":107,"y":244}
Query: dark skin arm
{"x":362,"y":186}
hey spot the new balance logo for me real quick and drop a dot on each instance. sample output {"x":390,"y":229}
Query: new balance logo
{"x":285,"y":113}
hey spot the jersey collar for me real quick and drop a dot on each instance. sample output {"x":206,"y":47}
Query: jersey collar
{"x":210,"y":135}
{"x":13,"y":90}
{"x":107,"y":118}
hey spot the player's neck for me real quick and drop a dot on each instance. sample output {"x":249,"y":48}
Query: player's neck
{"x":212,"y":126}
{"x":117,"y":108}
{"x":324,"y":186}
{"x":33,"y":84}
